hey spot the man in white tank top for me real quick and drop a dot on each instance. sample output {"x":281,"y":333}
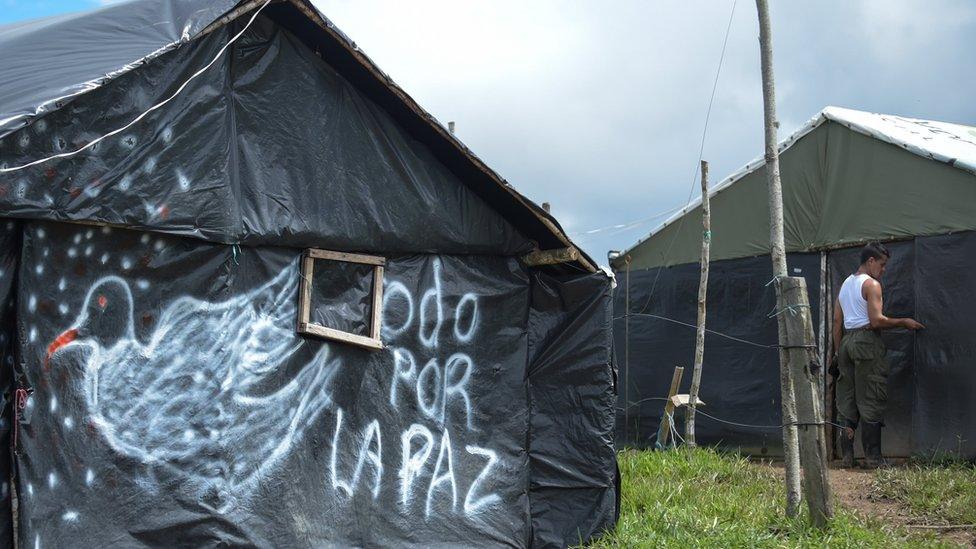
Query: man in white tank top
{"x":862,"y":381}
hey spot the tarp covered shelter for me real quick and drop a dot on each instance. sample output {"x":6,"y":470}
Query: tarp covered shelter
{"x":848,"y":177}
{"x":282,"y":306}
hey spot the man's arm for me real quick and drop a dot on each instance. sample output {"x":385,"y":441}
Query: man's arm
{"x":872,"y":293}
{"x":838,"y":326}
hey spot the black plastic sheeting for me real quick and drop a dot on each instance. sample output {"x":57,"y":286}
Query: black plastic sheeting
{"x":269,"y":146}
{"x":933,"y":379}
{"x":39,"y":72}
{"x":740,"y":376}
{"x":342,"y":296}
{"x":173,"y":403}
{"x":9,"y":256}
{"x":572,"y":393}
{"x":944,"y":418}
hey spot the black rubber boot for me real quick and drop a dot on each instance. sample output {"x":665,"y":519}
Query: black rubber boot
{"x":871,"y":440}
{"x":846,"y":441}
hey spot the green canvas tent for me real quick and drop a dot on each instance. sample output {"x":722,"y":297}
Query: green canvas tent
{"x":848,"y":177}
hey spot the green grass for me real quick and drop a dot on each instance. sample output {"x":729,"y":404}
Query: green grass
{"x":703,"y":498}
{"x":939,"y":493}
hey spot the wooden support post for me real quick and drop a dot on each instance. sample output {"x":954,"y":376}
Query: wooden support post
{"x":798,"y":365}
{"x":702,"y":292}
{"x":538,"y":258}
{"x":627,"y":349}
{"x":805,"y":366}
{"x":664,"y":430}
{"x":791,"y":446}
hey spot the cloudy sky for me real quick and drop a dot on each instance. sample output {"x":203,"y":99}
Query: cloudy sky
{"x":598,"y":107}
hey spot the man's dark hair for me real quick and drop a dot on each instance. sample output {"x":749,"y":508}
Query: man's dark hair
{"x":876,"y":250}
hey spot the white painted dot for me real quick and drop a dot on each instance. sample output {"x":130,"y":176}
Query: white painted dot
{"x":32,"y":336}
{"x":40,"y":126}
{"x":89,"y":234}
{"x":54,"y":404}
{"x":150,"y":164}
{"x":145,"y":238}
{"x":89,"y":477}
{"x":77,"y":238}
{"x":88,"y":250}
{"x":30,"y":489}
{"x":198,"y":377}
{"x":63,"y":309}
{"x":46,"y":252}
{"x":70,"y":516}
{"x":182,"y":179}
{"x":40,"y":233}
{"x":69,"y":422}
{"x":125,"y":182}
{"x":126,"y":263}
{"x":32,"y":303}
{"x":142,"y":284}
{"x":106,"y":230}
{"x":104,"y":258}
{"x":39,"y":269}
{"x":167,"y":134}
{"x":72,"y":252}
{"x":62,"y":284}
{"x":52,"y":480}
{"x":188,"y":435}
{"x":158,"y":246}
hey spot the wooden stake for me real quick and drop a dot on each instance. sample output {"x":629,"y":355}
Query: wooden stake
{"x":806,"y":372}
{"x":702,"y":291}
{"x":664,"y":430}
{"x":795,"y":365}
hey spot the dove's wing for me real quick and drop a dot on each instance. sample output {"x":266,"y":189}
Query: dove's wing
{"x":251,"y":332}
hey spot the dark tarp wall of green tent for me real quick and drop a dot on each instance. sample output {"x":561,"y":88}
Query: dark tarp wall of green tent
{"x":932,"y":373}
{"x":740,"y":375}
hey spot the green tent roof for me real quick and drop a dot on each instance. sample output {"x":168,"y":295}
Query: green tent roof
{"x":848,"y":177}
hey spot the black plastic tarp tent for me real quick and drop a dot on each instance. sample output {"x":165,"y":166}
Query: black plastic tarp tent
{"x":848,"y":177}
{"x":156,"y":389}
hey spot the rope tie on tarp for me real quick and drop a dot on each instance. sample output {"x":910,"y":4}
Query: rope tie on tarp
{"x":21,"y":395}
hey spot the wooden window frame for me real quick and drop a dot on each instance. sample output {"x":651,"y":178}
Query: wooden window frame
{"x":305,"y":326}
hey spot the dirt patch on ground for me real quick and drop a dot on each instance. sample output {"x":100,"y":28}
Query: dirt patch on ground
{"x":854,"y":489}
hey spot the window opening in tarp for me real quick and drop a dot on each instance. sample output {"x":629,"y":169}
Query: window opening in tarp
{"x":341,"y":296}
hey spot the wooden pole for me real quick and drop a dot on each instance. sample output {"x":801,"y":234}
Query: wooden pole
{"x":627,"y":350}
{"x":664,"y":430}
{"x":796,"y":368}
{"x":806,"y":373}
{"x":702,"y":292}
{"x":791,"y":447}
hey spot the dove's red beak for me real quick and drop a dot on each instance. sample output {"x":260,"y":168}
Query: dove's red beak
{"x":65,"y":338}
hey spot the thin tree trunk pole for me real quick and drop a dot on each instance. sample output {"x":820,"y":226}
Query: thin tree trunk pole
{"x":702,"y":293}
{"x":791,"y":447}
